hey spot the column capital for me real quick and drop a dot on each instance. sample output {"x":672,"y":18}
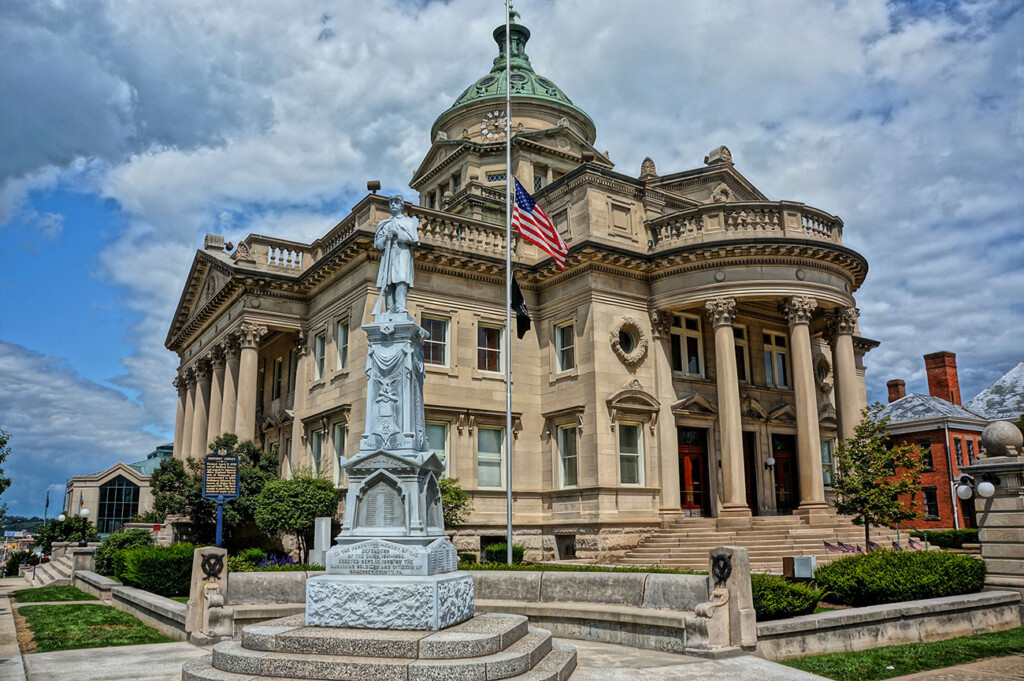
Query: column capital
{"x":229,"y":346}
{"x":299,"y":342}
{"x":217,"y":356}
{"x":189,"y":376}
{"x":202,"y":369}
{"x":250,"y":333}
{"x":180,"y":384}
{"x":841,"y":320}
{"x":661,"y":323}
{"x":722,"y":311}
{"x":799,"y":309}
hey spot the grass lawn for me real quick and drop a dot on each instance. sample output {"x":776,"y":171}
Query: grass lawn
{"x":822,"y":608}
{"x":65,"y":627}
{"x":868,"y":665}
{"x":45,"y":594}
{"x":180,"y":599}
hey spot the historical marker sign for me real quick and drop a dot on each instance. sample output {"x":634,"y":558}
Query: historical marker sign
{"x":220,"y":476}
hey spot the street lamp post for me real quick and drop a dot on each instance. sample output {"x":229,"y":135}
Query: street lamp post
{"x":84,"y":514}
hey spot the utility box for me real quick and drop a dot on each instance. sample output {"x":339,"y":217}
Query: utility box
{"x":799,"y":567}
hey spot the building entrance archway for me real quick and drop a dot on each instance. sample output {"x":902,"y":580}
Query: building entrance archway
{"x":694,"y":491}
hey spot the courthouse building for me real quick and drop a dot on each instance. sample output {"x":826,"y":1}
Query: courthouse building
{"x":699,"y":356}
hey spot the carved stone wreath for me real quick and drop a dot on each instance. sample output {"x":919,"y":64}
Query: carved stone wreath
{"x":212,"y":565}
{"x":633,"y":328}
{"x":721,"y":568}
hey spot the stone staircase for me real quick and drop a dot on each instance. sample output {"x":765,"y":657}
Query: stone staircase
{"x":55,"y":573}
{"x":685,"y":543}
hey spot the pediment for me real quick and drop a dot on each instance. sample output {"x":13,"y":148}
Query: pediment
{"x":695,"y":404}
{"x":385,"y":460}
{"x":208,"y":281}
{"x":440,"y":150}
{"x":751,"y":408}
{"x":633,"y":396}
{"x":827,"y":414}
{"x":562,"y":140}
{"x":709,"y":185}
{"x":783,"y":412}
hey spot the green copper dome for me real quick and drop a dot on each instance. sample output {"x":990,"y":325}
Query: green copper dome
{"x":525,"y":82}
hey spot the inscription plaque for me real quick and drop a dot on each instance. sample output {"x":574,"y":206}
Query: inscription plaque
{"x":381,"y":506}
{"x":379,"y":557}
{"x":220,"y":476}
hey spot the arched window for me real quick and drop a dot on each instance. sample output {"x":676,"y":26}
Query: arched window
{"x":119,"y":501}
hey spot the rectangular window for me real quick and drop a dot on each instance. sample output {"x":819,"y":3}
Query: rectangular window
{"x":567,"y":456}
{"x":437,"y":441}
{"x":931,"y":502}
{"x":776,"y":367}
{"x":319,"y":348}
{"x":341,"y":338}
{"x":435,"y":348}
{"x":275,"y":391}
{"x":538,"y":182}
{"x":286,"y":463}
{"x":925,"y":445}
{"x":488,"y":348}
{"x":495,"y":177}
{"x":316,"y":445}
{"x":687,"y":346}
{"x":490,"y":446}
{"x":293,"y":369}
{"x":630,"y":453}
{"x":958,"y":448}
{"x":740,"y":335}
{"x":828,"y":464}
{"x":970,"y":452}
{"x":565,"y":347}
{"x":339,"y":435}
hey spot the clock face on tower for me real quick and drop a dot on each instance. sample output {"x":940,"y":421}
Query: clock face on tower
{"x":493,"y":125}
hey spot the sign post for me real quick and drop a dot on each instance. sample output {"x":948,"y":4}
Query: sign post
{"x":220,"y":483}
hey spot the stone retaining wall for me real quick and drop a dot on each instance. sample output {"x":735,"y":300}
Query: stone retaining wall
{"x":95,"y":584}
{"x":933,"y":619}
{"x":163,"y":614}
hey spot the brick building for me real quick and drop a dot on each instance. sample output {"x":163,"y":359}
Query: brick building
{"x":948,"y":434}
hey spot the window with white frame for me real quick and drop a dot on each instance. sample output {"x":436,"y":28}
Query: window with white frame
{"x":565,"y":346}
{"x":567,"y":455}
{"x":341,"y":342}
{"x":828,"y":462}
{"x":776,"y":361}
{"x":631,"y":453}
{"x":490,"y":449}
{"x":489,"y":348}
{"x":437,"y":441}
{"x":435,"y":347}
{"x":316,"y":445}
{"x":742,"y":364}
{"x":339,"y":435}
{"x":687,"y":346}
{"x":319,"y":348}
{"x":275,"y":388}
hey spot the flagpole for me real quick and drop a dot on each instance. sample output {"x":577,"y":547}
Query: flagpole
{"x":508,"y":281}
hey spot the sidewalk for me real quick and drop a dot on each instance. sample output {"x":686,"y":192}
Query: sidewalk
{"x":11,"y":667}
{"x":993,"y":669}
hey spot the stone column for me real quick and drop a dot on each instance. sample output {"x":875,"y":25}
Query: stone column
{"x":250,"y":334}
{"x":201,"y":413}
{"x":179,"y":416}
{"x":842,"y":322}
{"x":668,"y":440}
{"x":229,"y":404}
{"x":299,"y":402}
{"x":722,"y":312}
{"x":216,"y":393}
{"x":798,"y":311}
{"x":190,"y":405}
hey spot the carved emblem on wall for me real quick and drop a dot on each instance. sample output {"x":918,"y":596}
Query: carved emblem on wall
{"x":721,"y":568}
{"x":822,"y":372}
{"x":629,"y":342}
{"x":212,"y":565}
{"x":721,"y":192}
{"x":648,"y":169}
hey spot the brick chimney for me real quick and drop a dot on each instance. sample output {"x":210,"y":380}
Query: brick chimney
{"x":897,"y":389}
{"x":943,"y":381}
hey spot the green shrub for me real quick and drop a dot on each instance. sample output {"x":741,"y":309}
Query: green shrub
{"x":163,"y":570}
{"x":110,"y":554}
{"x":775,"y":598}
{"x":892,"y":577}
{"x":467,"y":558}
{"x":15,"y":561}
{"x":949,"y":539}
{"x":498,"y":553}
{"x":246,"y":560}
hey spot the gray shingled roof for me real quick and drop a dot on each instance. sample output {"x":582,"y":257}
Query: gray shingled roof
{"x":914,"y":407}
{"x":1004,"y":399}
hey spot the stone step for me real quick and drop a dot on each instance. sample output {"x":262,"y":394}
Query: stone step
{"x":484,"y":634}
{"x":557,"y":665}
{"x":517,"y":659}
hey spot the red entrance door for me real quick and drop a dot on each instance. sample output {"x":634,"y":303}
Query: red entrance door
{"x":750,"y":470}
{"x":693,"y":470}
{"x":784,"y":450}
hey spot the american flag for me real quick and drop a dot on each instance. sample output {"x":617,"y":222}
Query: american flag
{"x":536,"y":227}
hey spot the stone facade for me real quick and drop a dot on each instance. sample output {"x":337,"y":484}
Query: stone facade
{"x":698,"y":329}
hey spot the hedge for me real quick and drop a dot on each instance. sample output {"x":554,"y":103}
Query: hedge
{"x":14,"y":561}
{"x":110,"y":554}
{"x":163,"y":570}
{"x":893,"y":577}
{"x":949,"y":539}
{"x":498,"y":553}
{"x":775,"y":598}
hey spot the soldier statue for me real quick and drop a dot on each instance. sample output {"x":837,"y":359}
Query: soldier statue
{"x":395,"y":238}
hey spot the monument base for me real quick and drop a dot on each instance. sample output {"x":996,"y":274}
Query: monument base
{"x":389,"y":602}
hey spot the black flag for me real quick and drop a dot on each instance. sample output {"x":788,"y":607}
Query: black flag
{"x":519,"y":307}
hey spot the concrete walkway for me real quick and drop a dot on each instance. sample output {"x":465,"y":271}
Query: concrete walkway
{"x":153,"y":662}
{"x":11,"y":668}
{"x":993,"y":669}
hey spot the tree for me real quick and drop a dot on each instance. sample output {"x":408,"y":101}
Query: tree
{"x":5,"y":450}
{"x":178,"y":489}
{"x":292,"y":506}
{"x":455,"y":502}
{"x":874,"y":473}
{"x":72,"y":529}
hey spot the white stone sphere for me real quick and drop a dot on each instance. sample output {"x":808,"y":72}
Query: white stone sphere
{"x":999,"y":437}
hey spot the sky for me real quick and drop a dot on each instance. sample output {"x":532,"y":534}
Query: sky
{"x":131,"y":129}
